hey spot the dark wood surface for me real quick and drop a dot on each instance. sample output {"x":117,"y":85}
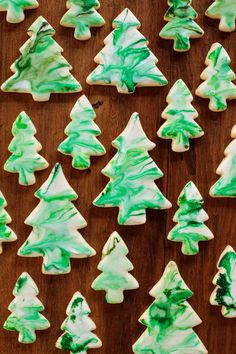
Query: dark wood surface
{"x":117,"y":325}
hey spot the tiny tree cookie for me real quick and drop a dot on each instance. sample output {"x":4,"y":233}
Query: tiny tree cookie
{"x":115,"y":268}
{"x":225,"y":280}
{"x":82,"y":15}
{"x":6,"y":233}
{"x":190,"y":218}
{"x":25,"y":310}
{"x":180,"y":114}
{"x":41,"y":69}
{"x":181,"y":25}
{"x":170,"y":319}
{"x":25,"y":159}
{"x":15,"y":9}
{"x":78,"y":326}
{"x":218,"y":77}
{"x":81,"y":142}
{"x":226,"y":184}
{"x":132,"y":173}
{"x":225,"y":11}
{"x":126,"y":61}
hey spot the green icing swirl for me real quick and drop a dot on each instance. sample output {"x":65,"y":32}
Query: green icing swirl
{"x":26,"y":307}
{"x":126,"y":61}
{"x":55,"y":222}
{"x":115,"y":267}
{"x":170,"y":318}
{"x":78,"y":326}
{"x":217,"y":85}
{"x":181,"y":25}
{"x":82,"y":131}
{"x":15,"y":9}
{"x":82,"y":15}
{"x":190,"y":218}
{"x":225,"y":11}
{"x":132,"y":173}
{"x":24,"y":147}
{"x":180,"y":114}
{"x":6,"y":234}
{"x":41,"y":69}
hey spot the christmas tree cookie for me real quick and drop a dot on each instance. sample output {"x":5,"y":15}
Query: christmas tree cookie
{"x":82,"y":15}
{"x":78,"y":328}
{"x":190,"y":218}
{"x":170,"y":319}
{"x":126,"y":61}
{"x":41,"y":69}
{"x":115,"y":267}
{"x":25,"y":310}
{"x":225,"y":11}
{"x":132,"y":173}
{"x":15,"y":9}
{"x":24,"y":147}
{"x":82,"y":143}
{"x":218,"y":77}
{"x":181,"y":25}
{"x":180,"y":114}
{"x":6,"y":234}
{"x":226,"y":184}
{"x":55,"y":222}
{"x":225,"y":280}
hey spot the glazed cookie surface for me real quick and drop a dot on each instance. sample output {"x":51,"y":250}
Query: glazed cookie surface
{"x":15,"y":9}
{"x":6,"y":233}
{"x":225,"y":11}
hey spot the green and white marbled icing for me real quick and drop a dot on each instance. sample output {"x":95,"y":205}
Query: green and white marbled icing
{"x":181,"y":25}
{"x":190,"y":218}
{"x":226,"y":185}
{"x":41,"y":69}
{"x":82,"y":15}
{"x":225,"y":11}
{"x":180,"y":114}
{"x":225,"y":280}
{"x":6,"y":233}
{"x":170,"y":318}
{"x":55,"y":222}
{"x":132,"y":173}
{"x":115,"y":267}
{"x":25,"y":310}
{"x":15,"y":9}
{"x":126,"y":61}
{"x":78,"y":326}
{"x":82,"y":143}
{"x":24,"y":147}
{"x":217,"y":85}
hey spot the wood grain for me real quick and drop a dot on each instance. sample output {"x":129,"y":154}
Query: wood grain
{"x":118,"y":326}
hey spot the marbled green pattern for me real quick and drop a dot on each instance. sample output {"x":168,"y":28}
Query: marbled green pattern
{"x":41,"y":69}
{"x":25,"y":310}
{"x":181,"y":25}
{"x":225,"y":280}
{"x":55,"y":222}
{"x":15,"y":9}
{"x":132,"y":173}
{"x":115,"y":267}
{"x":180,"y":114}
{"x":190,"y":218}
{"x":225,"y":11}
{"x":82,"y":143}
{"x":6,"y":233}
{"x":82,"y":15}
{"x":217,"y":85}
{"x":78,"y":326}
{"x":226,"y":184}
{"x":126,"y":61}
{"x":24,"y":147}
{"x":170,"y":319}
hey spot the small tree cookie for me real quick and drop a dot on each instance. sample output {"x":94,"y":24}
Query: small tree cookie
{"x":225,"y":280}
{"x":225,"y":11}
{"x":115,"y":268}
{"x":6,"y":234}
{"x":78,"y":326}
{"x":26,"y":307}
{"x":218,"y":77}
{"x":180,"y":114}
{"x":15,"y":9}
